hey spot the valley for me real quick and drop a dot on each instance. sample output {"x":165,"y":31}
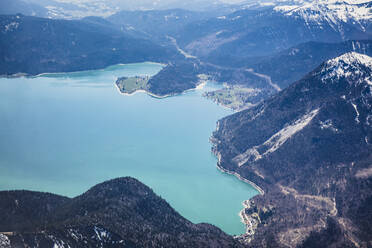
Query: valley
{"x":277,"y":94}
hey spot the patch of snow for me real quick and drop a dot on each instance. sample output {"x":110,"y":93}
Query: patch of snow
{"x":364,"y":173}
{"x":80,"y":9}
{"x":4,"y":241}
{"x":347,"y":65}
{"x":357,"y":112}
{"x":102,"y":234}
{"x":369,"y":81}
{"x":11,"y":27}
{"x":129,"y":27}
{"x":328,"y":124}
{"x":276,"y":141}
{"x":369,"y":120}
{"x":235,"y":18}
{"x":294,"y":51}
{"x":332,"y":12}
{"x":171,"y":16}
{"x":59,"y":244}
{"x":76,"y":236}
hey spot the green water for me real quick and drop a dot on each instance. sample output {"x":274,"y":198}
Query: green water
{"x":64,"y":133}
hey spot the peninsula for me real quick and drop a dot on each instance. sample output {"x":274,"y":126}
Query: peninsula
{"x":130,"y":85}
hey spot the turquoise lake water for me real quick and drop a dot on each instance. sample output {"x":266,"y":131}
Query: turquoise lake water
{"x":64,"y":133}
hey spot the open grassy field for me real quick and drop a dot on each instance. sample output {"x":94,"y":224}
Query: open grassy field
{"x":236,"y":97}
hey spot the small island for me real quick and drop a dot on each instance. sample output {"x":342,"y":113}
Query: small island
{"x":129,"y":85}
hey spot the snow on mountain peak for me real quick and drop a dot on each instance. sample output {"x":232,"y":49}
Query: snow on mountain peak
{"x":330,"y":11}
{"x":353,"y":58}
{"x":348,"y":65}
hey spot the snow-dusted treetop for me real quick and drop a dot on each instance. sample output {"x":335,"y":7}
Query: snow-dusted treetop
{"x":348,"y":65}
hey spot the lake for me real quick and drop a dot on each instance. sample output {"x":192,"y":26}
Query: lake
{"x":66,"y":132}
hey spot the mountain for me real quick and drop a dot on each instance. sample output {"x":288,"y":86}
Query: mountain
{"x":12,"y":7}
{"x":282,"y":68}
{"x":292,"y":64}
{"x":264,"y":31}
{"x":156,"y":24}
{"x":35,"y":45}
{"x":309,"y":149}
{"x":118,"y":213}
{"x":332,"y":12}
{"x":73,"y":9}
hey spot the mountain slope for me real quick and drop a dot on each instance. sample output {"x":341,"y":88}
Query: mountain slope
{"x":12,"y":7}
{"x":156,"y":24}
{"x":264,"y":31}
{"x":292,"y":64}
{"x":117,"y":213}
{"x":35,"y":45}
{"x":309,"y":148}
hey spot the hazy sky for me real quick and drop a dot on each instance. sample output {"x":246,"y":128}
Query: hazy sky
{"x":183,"y":2}
{"x":82,"y":8}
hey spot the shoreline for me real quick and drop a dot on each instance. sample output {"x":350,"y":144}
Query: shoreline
{"x":222,"y":105}
{"x":219,"y":167}
{"x":140,"y":91}
{"x":261,"y":191}
{"x":245,"y":219}
{"x":28,"y":75}
{"x":199,"y":86}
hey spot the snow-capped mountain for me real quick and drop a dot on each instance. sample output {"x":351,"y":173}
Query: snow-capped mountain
{"x":265,"y":28}
{"x":347,"y":79}
{"x":292,"y":64}
{"x":309,"y":148}
{"x":357,"y":12}
{"x":330,"y":11}
{"x":350,"y":65}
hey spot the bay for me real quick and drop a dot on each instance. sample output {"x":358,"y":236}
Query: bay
{"x":66,"y":132}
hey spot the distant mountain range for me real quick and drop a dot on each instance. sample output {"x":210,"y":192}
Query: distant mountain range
{"x":309,"y":148}
{"x":290,"y":65}
{"x":12,"y":7}
{"x":156,"y":24}
{"x":307,"y":142}
{"x":35,"y":45}
{"x":263,"y":31}
{"x":73,"y":9}
{"x":117,"y":213}
{"x":256,"y":36}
